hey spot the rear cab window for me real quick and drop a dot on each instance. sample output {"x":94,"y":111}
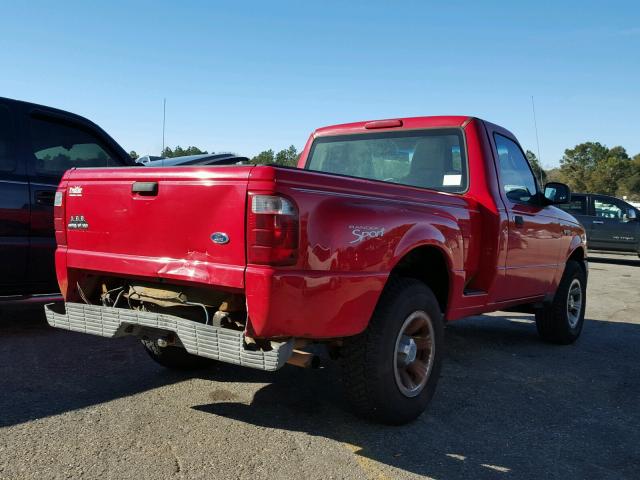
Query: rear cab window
{"x":434,"y":159}
{"x":58,"y":146}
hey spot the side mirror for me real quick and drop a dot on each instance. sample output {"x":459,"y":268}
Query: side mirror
{"x":630,"y":216}
{"x":557,"y":193}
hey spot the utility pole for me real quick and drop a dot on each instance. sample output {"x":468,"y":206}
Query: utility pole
{"x":535,"y":124}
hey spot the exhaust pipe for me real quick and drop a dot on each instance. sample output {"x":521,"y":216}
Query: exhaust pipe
{"x":304,"y":359}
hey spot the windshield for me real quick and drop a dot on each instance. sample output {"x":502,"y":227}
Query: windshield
{"x":433,"y":159}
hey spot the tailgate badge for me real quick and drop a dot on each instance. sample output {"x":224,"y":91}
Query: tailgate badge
{"x":75,"y":191}
{"x":77,"y":222}
{"x":220,"y":238}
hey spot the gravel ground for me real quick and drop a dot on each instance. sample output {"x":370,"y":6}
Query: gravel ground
{"x":507,"y":406}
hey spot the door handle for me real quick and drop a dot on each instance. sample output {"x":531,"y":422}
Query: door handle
{"x":519,"y":221}
{"x":45,"y":197}
{"x":145,"y":188}
{"x":598,"y":222}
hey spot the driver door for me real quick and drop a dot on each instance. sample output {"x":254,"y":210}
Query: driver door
{"x":534,"y":232}
{"x":56,"y":145}
{"x":14,"y":204}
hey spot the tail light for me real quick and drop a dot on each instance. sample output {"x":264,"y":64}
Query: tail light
{"x":59,"y":216}
{"x":272,"y":230}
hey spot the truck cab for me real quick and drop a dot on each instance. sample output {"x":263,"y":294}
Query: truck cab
{"x":37,"y":145}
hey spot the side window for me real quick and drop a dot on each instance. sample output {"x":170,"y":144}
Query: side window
{"x":517,"y":179}
{"x":605,"y":208}
{"x":59,"y":146}
{"x":8,"y":162}
{"x":577,"y":206}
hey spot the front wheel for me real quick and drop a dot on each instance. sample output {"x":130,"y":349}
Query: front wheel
{"x":562,"y":320}
{"x":391,"y":370}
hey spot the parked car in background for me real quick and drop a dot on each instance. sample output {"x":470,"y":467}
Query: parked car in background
{"x":611,"y":224}
{"x":37,"y":145}
{"x":203,"y":159}
{"x":147,"y":158}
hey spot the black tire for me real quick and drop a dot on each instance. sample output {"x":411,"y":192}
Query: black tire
{"x":557,"y":322}
{"x":370,"y":360}
{"x":175,"y":358}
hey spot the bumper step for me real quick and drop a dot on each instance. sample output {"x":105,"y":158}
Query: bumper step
{"x":199,"y":339}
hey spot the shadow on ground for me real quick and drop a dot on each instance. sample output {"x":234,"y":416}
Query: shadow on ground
{"x":45,"y":371}
{"x":507,"y":405}
{"x":628,"y":260}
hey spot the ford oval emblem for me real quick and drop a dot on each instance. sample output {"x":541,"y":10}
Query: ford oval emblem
{"x":220,"y":238}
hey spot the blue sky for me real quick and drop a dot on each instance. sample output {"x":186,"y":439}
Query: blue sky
{"x":247,"y":76}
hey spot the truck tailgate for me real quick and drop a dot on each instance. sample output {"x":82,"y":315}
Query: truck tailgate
{"x":159,"y":222}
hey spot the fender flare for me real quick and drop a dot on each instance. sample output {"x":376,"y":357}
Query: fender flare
{"x":426,"y":235}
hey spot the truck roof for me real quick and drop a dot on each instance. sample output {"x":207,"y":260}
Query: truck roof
{"x":70,"y":116}
{"x":404,"y":123}
{"x":32,"y":105}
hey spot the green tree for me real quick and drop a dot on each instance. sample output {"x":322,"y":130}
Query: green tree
{"x":264,"y":158}
{"x":595,"y":168}
{"x":555,"y":175}
{"x":168,"y":152}
{"x":578,"y":163}
{"x":611,"y":172}
{"x":287,"y":157}
{"x":134,"y":155}
{"x":631,"y":185}
{"x":538,"y":171}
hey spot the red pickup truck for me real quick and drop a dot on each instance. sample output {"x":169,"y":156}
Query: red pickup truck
{"x":385,"y":231}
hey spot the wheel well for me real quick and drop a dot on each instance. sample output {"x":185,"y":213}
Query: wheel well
{"x":427,"y":264}
{"x":578,"y":256}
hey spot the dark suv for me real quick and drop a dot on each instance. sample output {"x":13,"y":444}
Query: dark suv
{"x":37,"y":145}
{"x":611,"y":224}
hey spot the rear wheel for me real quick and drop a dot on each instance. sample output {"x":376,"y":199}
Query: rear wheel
{"x":175,"y":358}
{"x":561,"y":321}
{"x":391,"y":370}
